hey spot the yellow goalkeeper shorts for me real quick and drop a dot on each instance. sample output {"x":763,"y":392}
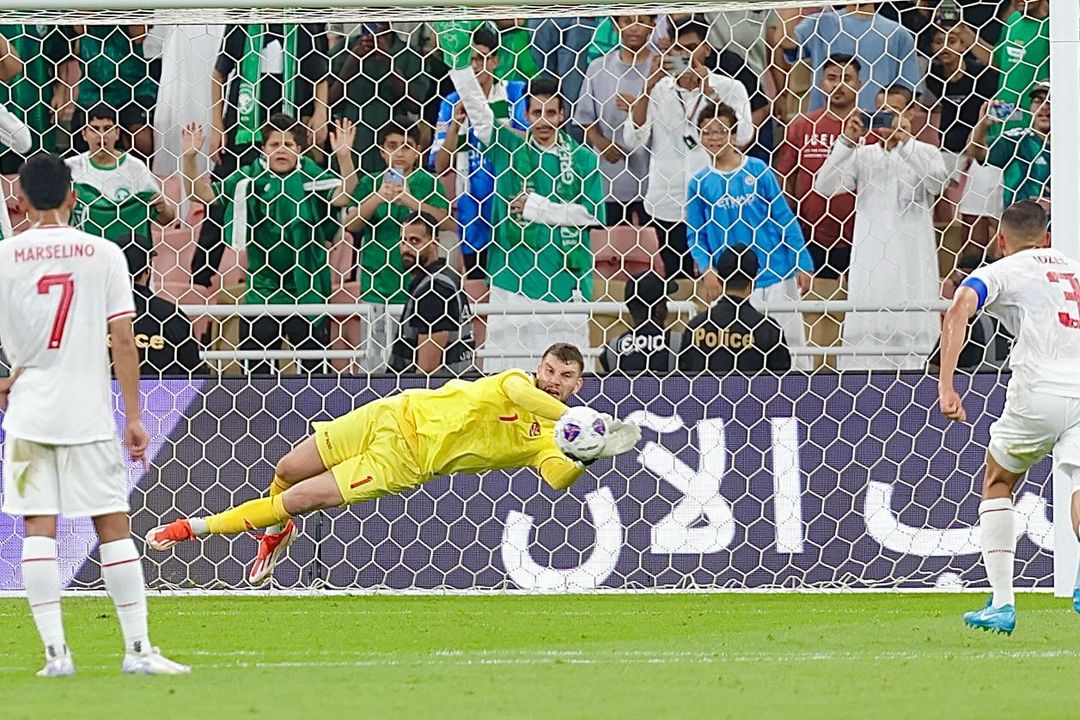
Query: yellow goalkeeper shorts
{"x":371,"y":451}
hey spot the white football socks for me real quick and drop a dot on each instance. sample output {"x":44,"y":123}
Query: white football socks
{"x":41,"y":577}
{"x":121,"y":569}
{"x":998,"y":521}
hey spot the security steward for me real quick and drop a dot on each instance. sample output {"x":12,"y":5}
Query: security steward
{"x":732,"y":335}
{"x":648,"y":347}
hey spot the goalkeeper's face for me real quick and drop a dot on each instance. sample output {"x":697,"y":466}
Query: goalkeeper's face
{"x":558,"y":378}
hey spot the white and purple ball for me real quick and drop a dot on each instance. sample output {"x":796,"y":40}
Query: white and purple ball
{"x":580,"y":433}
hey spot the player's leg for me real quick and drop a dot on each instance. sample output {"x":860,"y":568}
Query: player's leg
{"x":1076,"y":529}
{"x":997,"y":520}
{"x":299,"y":465}
{"x":1026,"y":432}
{"x":94,"y":484}
{"x":121,"y":569}
{"x":31,"y":490}
{"x":41,"y":578}
{"x":1067,"y":461}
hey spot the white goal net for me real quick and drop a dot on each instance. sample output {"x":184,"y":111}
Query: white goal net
{"x":748,"y":216}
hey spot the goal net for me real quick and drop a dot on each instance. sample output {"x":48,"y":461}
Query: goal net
{"x":749,"y":216}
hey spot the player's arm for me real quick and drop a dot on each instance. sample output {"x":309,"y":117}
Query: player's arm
{"x":5,"y":387}
{"x":560,"y":473}
{"x":965,"y":304}
{"x":528,"y":397}
{"x":120,"y":309}
{"x":126,"y":365}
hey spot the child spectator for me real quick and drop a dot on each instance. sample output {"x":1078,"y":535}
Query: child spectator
{"x":117,"y":193}
{"x":738,"y":200}
{"x":278,"y":208}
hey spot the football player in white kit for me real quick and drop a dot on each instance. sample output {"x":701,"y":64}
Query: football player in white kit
{"x":62,"y":294}
{"x":1035,"y":292}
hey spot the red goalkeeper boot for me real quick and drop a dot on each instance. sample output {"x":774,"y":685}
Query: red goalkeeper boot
{"x":164,"y":537}
{"x":271,"y":547}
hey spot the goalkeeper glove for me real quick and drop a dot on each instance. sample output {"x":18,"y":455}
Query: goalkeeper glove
{"x":621,"y":437}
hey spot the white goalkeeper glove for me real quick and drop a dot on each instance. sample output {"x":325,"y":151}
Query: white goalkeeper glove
{"x":621,"y":436}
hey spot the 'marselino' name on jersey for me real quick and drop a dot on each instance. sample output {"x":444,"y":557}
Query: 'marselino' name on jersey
{"x":59,"y":288}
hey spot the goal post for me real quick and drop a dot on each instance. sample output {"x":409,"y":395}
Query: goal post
{"x":1065,"y":156}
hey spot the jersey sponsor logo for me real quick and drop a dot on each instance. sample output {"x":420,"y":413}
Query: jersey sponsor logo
{"x":723,"y":338}
{"x":534,"y":429}
{"x":508,"y":418}
{"x":735,"y":201}
{"x":53,"y":252}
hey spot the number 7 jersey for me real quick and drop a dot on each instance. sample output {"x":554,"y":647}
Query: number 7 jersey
{"x":59,"y":289}
{"x":1036,"y":296}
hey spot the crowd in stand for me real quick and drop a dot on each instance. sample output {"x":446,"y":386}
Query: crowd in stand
{"x":855,"y":153}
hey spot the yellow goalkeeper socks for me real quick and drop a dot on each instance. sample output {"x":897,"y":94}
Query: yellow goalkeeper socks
{"x":277,"y":486}
{"x":252,"y":515}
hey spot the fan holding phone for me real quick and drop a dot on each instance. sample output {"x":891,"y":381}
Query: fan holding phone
{"x":894,"y":250}
{"x":664,"y":119}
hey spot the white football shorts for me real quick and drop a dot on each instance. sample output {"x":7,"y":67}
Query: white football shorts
{"x":1033,"y":425}
{"x":84,"y":480}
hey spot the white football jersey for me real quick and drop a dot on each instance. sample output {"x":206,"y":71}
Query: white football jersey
{"x":1036,"y":296}
{"x":59,"y":288}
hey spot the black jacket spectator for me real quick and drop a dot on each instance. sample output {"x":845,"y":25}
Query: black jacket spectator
{"x":732,"y":335}
{"x":436,"y":324}
{"x":163,"y":334}
{"x":648,"y":347}
{"x":959,"y":99}
{"x":164,"y":337}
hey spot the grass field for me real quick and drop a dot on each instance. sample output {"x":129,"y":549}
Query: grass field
{"x":629,"y":656}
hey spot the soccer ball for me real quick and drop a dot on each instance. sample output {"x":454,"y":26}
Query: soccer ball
{"x":580,"y":433}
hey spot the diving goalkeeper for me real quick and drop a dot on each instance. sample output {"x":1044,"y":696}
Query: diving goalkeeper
{"x":400,"y":442}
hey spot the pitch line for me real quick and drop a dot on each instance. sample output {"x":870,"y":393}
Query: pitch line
{"x":534,"y":658}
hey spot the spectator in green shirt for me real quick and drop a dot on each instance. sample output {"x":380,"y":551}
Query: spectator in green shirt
{"x":1022,"y":54}
{"x":118,"y":195}
{"x":516,"y":61}
{"x":30,"y":89}
{"x":383,"y":202}
{"x":115,"y":72}
{"x":1023,"y":154}
{"x":279,"y":209}
{"x":549,"y":194}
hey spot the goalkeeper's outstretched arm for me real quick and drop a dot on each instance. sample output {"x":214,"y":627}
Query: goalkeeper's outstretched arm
{"x":528,"y":397}
{"x":561,"y":473}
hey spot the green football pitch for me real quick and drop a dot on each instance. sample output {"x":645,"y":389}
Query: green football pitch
{"x":608,"y":656}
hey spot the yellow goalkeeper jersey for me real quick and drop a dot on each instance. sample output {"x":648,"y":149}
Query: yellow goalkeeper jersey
{"x":496,"y":423}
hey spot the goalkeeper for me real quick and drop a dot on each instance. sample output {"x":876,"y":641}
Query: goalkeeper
{"x":399,"y":442}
